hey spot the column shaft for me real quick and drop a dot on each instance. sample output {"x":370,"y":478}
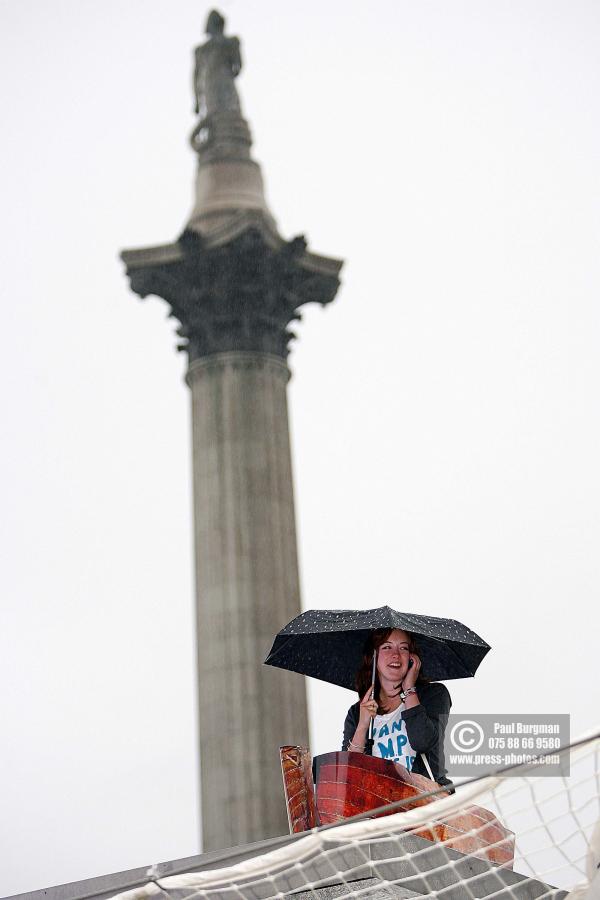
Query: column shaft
{"x":247,"y":587}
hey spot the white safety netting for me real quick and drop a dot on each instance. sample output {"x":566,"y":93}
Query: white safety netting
{"x":555,"y":820}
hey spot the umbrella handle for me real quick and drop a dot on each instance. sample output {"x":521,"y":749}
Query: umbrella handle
{"x":373,"y":674}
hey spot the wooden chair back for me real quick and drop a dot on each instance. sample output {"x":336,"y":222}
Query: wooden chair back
{"x":299,"y":788}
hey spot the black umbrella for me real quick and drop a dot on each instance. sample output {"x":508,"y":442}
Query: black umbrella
{"x":328,"y":644}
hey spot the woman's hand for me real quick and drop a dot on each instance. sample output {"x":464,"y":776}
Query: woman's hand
{"x":368,"y":709}
{"x":410,"y":679}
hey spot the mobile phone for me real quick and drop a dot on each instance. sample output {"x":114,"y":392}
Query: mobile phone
{"x":410,"y":662}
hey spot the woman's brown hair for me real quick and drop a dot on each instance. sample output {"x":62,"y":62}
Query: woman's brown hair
{"x":374,"y":642}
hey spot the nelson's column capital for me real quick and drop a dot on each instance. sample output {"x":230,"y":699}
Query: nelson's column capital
{"x":230,"y":278}
{"x":235,"y":285}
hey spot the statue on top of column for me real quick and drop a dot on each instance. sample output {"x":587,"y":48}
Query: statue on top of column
{"x":217,"y":63}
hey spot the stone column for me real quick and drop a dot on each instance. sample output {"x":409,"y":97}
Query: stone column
{"x":247,"y":588}
{"x":236,"y":287}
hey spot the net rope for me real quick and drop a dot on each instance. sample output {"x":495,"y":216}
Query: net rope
{"x":555,"y":821}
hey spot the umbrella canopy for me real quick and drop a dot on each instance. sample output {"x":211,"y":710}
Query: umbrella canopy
{"x":328,"y":644}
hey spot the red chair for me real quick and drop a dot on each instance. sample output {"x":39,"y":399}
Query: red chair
{"x":353,"y":783}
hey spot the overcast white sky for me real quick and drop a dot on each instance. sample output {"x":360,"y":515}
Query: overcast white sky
{"x":444,"y":410}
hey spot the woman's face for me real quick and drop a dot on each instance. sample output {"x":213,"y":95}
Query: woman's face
{"x":393,"y":657}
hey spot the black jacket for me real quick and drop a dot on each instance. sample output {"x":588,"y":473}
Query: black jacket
{"x":425,"y":727}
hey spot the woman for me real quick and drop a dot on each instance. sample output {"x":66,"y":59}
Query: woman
{"x":410,"y":713}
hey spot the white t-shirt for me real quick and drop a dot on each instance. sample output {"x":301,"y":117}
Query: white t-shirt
{"x":390,"y":740}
